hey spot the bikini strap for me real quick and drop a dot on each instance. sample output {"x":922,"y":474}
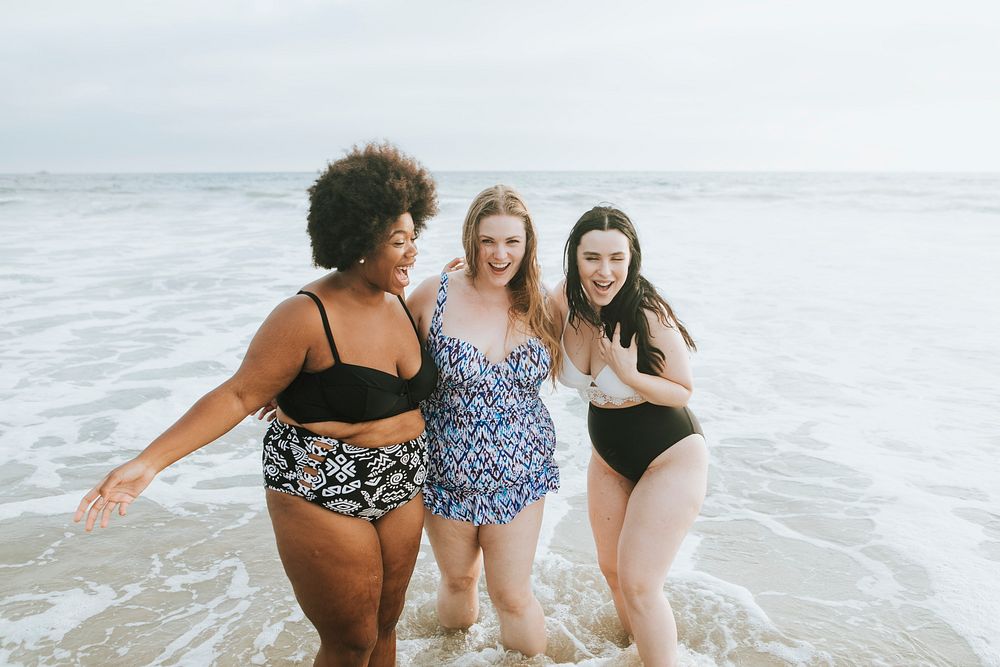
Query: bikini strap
{"x":442,"y":297}
{"x":326,"y":323}
{"x":403,"y":304}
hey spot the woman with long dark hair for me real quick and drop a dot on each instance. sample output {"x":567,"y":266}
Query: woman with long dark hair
{"x":627,"y":354}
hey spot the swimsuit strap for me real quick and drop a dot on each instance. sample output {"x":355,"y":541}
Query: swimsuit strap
{"x":442,"y":297}
{"x":403,"y":303}
{"x":565,"y":326}
{"x":326,"y":323}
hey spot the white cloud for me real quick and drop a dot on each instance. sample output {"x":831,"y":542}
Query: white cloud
{"x":518,"y":85}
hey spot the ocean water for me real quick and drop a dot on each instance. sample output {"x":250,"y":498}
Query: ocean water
{"x":847,"y":380}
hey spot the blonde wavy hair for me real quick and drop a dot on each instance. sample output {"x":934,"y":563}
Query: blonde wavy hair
{"x":527,"y":293}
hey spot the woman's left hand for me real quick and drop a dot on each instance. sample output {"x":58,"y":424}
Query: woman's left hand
{"x":267,"y":411}
{"x":624,"y":361}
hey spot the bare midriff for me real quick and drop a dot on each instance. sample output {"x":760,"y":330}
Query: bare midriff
{"x":377,"y":433}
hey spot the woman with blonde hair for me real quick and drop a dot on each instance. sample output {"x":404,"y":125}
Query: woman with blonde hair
{"x":490,"y":438}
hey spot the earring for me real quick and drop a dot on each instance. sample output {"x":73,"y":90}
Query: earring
{"x":361,"y":261}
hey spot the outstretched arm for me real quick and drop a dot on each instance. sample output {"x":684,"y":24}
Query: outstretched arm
{"x":276,"y":354}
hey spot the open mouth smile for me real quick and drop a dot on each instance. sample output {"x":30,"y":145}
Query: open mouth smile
{"x":402,"y":274}
{"x":602,"y":286}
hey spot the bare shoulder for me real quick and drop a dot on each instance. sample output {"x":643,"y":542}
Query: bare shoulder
{"x":424,"y":293}
{"x":458,"y":277}
{"x":662,"y":329}
{"x":289,"y":327}
{"x":557,"y":296}
{"x":460,"y":287}
{"x":559,"y":291}
{"x":285,"y":334}
{"x":293,"y":311}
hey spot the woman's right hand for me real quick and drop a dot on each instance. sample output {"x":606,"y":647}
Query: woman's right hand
{"x":267,"y":411}
{"x":122,"y":486}
{"x":454,"y":265}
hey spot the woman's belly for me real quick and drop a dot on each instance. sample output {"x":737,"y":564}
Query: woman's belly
{"x":377,"y":433}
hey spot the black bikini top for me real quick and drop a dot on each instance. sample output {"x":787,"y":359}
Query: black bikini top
{"x":351,"y":393}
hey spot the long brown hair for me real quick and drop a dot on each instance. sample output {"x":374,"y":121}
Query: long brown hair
{"x":527,"y":293}
{"x":636,"y":294}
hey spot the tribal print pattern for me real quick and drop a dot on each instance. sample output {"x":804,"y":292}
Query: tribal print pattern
{"x":364,"y":482}
{"x":490,"y":437}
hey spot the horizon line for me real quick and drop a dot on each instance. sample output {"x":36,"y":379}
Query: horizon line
{"x":956,"y":172}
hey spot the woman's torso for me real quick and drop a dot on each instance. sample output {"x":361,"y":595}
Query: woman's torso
{"x":598,"y":384}
{"x":485,"y":412}
{"x":364,"y":374}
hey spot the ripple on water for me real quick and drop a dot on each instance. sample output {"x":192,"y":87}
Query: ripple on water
{"x":990,"y":550}
{"x":114,"y":400}
{"x":97,"y":429}
{"x":989,"y":521}
{"x":960,"y":492}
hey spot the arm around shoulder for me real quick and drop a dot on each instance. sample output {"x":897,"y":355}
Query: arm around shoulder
{"x":421,"y":303}
{"x":557,"y":302}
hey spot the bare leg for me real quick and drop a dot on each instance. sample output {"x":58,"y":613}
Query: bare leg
{"x":607,"y":498}
{"x":335,"y":567}
{"x":509,"y":552}
{"x":399,"y":539}
{"x":663,"y":505}
{"x":456,"y":550}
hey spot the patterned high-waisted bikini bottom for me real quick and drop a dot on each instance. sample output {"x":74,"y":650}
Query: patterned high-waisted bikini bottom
{"x":364,"y":482}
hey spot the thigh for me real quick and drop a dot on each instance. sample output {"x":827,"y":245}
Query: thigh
{"x":509,"y":549}
{"x":332,"y":560}
{"x":607,"y":498}
{"x":662,"y":507}
{"x":399,"y":542}
{"x":455,"y":545}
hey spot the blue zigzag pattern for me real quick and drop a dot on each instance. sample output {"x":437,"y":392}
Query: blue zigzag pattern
{"x":490,"y":437}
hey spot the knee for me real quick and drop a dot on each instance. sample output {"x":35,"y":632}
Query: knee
{"x":610,"y":572}
{"x":387,"y":625}
{"x":388,"y":617}
{"x":354,"y":639}
{"x":512,"y":601}
{"x":638,"y":590}
{"x":457,"y":585}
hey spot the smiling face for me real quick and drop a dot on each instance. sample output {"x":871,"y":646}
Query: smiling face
{"x":602,"y":258}
{"x":500,"y":244}
{"x":388,"y":268}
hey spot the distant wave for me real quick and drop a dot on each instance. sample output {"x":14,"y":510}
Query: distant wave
{"x":257,"y":194}
{"x":27,"y":279}
{"x":104,"y":194}
{"x":217,"y":188}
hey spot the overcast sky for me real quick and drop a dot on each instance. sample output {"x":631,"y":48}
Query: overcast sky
{"x":709,"y":85}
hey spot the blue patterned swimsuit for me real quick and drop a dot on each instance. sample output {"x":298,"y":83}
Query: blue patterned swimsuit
{"x":490,"y":437}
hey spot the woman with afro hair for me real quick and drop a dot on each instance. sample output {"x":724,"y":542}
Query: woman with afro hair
{"x":346,"y":457}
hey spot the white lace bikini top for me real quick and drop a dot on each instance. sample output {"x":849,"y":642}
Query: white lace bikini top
{"x":606,"y":388}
